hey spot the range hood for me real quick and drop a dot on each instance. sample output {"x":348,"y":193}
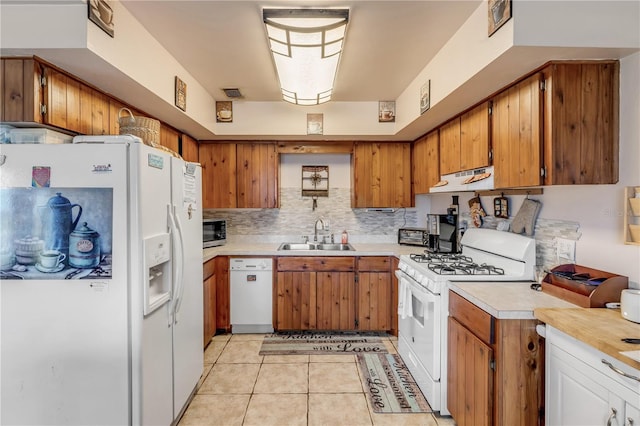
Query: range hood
{"x":468,"y":180}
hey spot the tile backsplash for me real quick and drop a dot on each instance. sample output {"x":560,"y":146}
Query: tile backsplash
{"x":295,"y":219}
{"x":545,"y":233}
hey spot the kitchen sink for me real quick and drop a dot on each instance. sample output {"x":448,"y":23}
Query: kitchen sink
{"x":298,"y":246}
{"x":341,"y":247}
{"x":316,"y":246}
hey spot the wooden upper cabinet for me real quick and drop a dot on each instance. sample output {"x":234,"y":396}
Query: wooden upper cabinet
{"x":426,"y":162}
{"x":62,"y":100}
{"x":189,"y":148}
{"x":21,"y":90}
{"x":242,"y":175}
{"x":169,"y":138}
{"x":516,"y":134}
{"x":257,"y":175}
{"x":581,"y":123}
{"x":558,"y":127}
{"x":450,"y":147}
{"x":74,"y":106}
{"x":464,"y":141}
{"x":218,"y":175}
{"x":474,"y":138}
{"x":381,"y":175}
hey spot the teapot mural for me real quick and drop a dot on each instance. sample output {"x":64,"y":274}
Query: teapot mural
{"x":59,"y":222}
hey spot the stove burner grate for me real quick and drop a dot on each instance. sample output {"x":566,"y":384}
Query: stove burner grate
{"x":428,"y":257}
{"x":464,"y":268}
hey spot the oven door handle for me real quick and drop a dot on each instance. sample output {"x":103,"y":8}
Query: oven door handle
{"x":415,"y":288}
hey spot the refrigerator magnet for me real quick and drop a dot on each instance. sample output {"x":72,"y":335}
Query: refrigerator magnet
{"x":41,"y":177}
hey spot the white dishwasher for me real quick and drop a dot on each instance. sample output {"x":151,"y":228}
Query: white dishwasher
{"x":251,"y":295}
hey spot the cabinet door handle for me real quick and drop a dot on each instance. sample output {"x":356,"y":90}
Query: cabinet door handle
{"x":629,"y":421}
{"x":612,"y":416}
{"x":620,"y":372}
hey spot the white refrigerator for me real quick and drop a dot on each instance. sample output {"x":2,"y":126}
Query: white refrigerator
{"x":100,"y":283}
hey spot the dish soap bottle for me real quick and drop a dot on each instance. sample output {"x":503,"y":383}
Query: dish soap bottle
{"x":345,"y":237}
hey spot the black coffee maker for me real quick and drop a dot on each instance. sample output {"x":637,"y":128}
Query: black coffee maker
{"x":442,"y":230}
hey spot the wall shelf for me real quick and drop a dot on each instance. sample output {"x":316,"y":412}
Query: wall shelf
{"x":632,"y":215}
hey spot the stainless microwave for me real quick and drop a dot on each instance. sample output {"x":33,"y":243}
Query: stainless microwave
{"x":214,"y":232}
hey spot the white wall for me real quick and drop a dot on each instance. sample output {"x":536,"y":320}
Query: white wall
{"x":291,"y":169}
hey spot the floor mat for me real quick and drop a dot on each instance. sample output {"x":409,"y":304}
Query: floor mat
{"x":320,"y":343}
{"x":390,"y":386}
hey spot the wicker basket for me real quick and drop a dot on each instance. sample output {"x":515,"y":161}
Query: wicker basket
{"x":145,"y":128}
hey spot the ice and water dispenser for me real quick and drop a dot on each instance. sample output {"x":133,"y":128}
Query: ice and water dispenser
{"x":157,"y":271}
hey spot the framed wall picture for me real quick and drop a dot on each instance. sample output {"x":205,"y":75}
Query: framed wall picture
{"x":224,"y":111}
{"x":425,"y":97}
{"x":181,"y":94}
{"x":499,"y":13}
{"x":314,"y":124}
{"x":101,"y":14}
{"x":386,"y":111}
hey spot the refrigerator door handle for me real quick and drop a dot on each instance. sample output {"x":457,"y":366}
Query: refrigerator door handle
{"x":181,"y":265}
{"x":178,"y":256}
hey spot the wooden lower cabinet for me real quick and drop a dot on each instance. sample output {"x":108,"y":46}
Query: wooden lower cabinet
{"x":374,"y":290}
{"x":495,"y":368}
{"x":295,"y":300}
{"x":216,"y":313}
{"x":335,"y":300}
{"x":334,"y":293}
{"x":223,"y":295}
{"x":315,"y":293}
{"x":209,"y":301}
{"x":470,"y":377}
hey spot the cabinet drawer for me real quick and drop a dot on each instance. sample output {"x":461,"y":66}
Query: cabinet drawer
{"x":374,"y":263}
{"x":208,"y":269}
{"x":472,"y":317}
{"x":314,"y":264}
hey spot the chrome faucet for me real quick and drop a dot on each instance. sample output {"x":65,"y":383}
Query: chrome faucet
{"x":315,"y":228}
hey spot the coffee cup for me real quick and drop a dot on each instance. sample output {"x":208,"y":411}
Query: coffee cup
{"x":386,"y":115}
{"x":224,"y":114}
{"x":6,"y":258}
{"x":51,"y":259}
{"x":106,"y":13}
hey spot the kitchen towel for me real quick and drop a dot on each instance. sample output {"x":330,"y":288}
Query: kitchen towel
{"x":404,"y":299}
{"x":525,"y":219}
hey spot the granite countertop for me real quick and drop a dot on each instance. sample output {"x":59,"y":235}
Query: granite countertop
{"x":507,"y":300}
{"x":271,"y":249}
{"x":600,"y":328}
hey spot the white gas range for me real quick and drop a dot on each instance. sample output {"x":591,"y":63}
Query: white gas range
{"x":423,"y":300}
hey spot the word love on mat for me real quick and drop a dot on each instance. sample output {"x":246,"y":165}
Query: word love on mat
{"x":321,"y":344}
{"x":390,"y":386}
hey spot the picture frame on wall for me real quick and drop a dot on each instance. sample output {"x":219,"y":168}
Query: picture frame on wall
{"x":386,"y":111}
{"x":425,"y":97}
{"x":314,"y":124}
{"x":499,"y":12}
{"x":224,"y":111}
{"x":101,"y":14}
{"x":181,"y":94}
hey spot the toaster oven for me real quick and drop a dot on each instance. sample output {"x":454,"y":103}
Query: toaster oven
{"x":413,"y":236}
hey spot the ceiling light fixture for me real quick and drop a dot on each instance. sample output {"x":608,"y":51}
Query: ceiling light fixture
{"x":306,"y":46}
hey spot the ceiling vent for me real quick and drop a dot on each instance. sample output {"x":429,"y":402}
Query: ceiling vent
{"x":232,"y":93}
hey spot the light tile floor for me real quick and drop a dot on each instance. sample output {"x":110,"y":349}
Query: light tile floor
{"x":241,"y":387}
